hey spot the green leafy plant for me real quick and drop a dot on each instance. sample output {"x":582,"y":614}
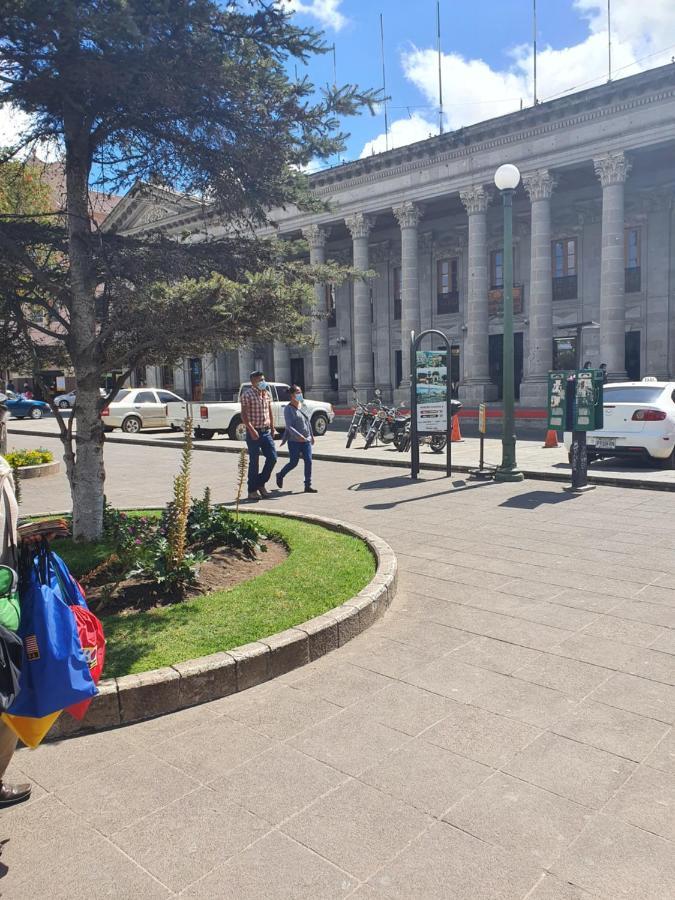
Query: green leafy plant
{"x":20,"y":458}
{"x":178,"y":511}
{"x":209,"y":527}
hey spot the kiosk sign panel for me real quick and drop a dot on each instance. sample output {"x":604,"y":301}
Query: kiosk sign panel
{"x":431,"y":390}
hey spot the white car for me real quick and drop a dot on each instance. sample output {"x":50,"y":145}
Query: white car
{"x":225,"y":417}
{"x":67,"y":401}
{"x":639,"y":422}
{"x":135,"y":408}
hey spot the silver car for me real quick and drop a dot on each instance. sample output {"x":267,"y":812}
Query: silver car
{"x":135,"y":408}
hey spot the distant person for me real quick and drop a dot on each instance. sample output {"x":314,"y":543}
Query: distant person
{"x":10,"y":387}
{"x":588,"y":364}
{"x":603,"y":369}
{"x":257,"y":416}
{"x":299,"y":435}
{"x":26,"y":392}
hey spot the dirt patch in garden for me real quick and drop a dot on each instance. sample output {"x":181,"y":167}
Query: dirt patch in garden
{"x":225,"y":568}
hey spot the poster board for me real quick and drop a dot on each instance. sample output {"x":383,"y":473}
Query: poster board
{"x":431,"y":390}
{"x":557,"y":404}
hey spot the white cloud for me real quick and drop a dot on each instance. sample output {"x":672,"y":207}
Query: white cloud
{"x":13,"y":125}
{"x":326,"y":11}
{"x":643,"y":36}
{"x":401,"y":133}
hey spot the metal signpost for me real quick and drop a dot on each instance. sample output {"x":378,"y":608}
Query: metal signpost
{"x":481,"y":471}
{"x":430,"y":396}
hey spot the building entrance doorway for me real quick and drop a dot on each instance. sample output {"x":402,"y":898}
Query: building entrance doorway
{"x":298,"y":371}
{"x":633,"y":355}
{"x":496,"y":351}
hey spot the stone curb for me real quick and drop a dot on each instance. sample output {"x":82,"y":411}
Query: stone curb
{"x":601,"y":478}
{"x":132,"y":698}
{"x":39,"y":471}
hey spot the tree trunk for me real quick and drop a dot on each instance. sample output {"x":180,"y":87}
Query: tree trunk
{"x":87,"y":474}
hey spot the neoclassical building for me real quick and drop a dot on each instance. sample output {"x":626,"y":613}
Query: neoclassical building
{"x":594,"y":241}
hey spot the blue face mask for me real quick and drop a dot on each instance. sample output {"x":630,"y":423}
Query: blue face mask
{"x":299,"y":398}
{"x":262,"y":385}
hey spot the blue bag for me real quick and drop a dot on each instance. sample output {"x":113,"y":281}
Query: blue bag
{"x":54,"y":672}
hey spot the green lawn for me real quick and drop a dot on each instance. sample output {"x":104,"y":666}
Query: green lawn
{"x":322,"y":570}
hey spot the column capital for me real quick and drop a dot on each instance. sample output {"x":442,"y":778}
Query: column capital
{"x":408,"y":214}
{"x":359,"y":225}
{"x":475,"y":199}
{"x":612,"y":168}
{"x":539,"y":185}
{"x":316,"y":235}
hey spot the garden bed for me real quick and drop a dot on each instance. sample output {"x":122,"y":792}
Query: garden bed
{"x":322,"y":569}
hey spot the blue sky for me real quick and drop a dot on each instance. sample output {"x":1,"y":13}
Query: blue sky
{"x":487,"y":55}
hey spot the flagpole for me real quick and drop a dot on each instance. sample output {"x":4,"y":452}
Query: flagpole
{"x":534,"y":47}
{"x":440,"y":74}
{"x":384,"y":86}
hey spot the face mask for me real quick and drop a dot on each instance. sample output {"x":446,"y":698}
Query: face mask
{"x":299,"y":398}
{"x":262,"y":385}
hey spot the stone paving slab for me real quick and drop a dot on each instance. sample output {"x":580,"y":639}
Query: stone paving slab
{"x":499,"y":736}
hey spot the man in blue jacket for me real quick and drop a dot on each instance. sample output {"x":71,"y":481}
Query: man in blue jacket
{"x":298,"y":433}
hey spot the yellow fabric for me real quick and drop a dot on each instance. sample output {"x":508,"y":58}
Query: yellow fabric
{"x":30,"y":731}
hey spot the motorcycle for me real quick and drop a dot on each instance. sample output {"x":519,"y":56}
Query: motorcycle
{"x":403,"y":433}
{"x":362,"y":418}
{"x":382,"y":427}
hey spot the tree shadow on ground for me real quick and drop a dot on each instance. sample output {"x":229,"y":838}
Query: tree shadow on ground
{"x":538,"y":498}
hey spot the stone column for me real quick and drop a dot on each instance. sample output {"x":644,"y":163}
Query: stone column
{"x":612,"y":170}
{"x":316,"y":236}
{"x":282,"y":363}
{"x":246,"y":363}
{"x":408,"y":216}
{"x":477,"y":387}
{"x":534,"y":389}
{"x":360,"y":227}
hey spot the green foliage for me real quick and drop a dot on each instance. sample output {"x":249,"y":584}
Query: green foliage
{"x":210,"y":527}
{"x":19,"y":458}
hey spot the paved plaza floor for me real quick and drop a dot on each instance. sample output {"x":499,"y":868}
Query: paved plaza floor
{"x":504,"y":732}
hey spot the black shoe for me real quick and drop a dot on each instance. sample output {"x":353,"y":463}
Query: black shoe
{"x":280,"y":481}
{"x":264,"y":493}
{"x":311,"y":490}
{"x":13,"y":793}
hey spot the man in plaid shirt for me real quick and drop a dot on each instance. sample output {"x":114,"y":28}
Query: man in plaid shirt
{"x":257,"y":416}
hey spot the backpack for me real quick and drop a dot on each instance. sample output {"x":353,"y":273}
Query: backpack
{"x":11,"y":651}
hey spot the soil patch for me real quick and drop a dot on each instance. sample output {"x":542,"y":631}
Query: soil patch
{"x":225,"y":568}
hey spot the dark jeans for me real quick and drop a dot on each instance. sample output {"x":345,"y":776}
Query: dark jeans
{"x":297,"y":450}
{"x":264,"y":445}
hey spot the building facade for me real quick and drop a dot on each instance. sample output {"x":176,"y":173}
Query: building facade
{"x":593,"y":243}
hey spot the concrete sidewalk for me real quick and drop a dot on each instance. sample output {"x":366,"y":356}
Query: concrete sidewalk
{"x":535,"y":461}
{"x":505,"y":732}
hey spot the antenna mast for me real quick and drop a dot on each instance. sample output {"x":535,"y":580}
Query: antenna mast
{"x":609,"y":39}
{"x":440,"y":73}
{"x":534,"y":45}
{"x":384,"y":86}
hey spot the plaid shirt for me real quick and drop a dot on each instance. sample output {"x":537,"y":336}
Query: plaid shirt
{"x":256,"y":407}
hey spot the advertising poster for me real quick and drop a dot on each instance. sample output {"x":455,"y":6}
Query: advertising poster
{"x":556,"y":400}
{"x":431,"y":386}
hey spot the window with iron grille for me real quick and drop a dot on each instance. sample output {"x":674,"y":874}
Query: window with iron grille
{"x":397,"y":293}
{"x":564,"y":268}
{"x":632,"y":251}
{"x":447,"y":286}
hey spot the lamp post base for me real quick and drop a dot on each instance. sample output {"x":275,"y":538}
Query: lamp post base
{"x":508,"y":475}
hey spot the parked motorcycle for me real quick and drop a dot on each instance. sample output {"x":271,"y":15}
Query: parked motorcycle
{"x":382,"y":427}
{"x":362,"y":418}
{"x":403,"y":433}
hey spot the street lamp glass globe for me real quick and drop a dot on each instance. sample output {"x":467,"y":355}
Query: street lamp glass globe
{"x":507,"y":177}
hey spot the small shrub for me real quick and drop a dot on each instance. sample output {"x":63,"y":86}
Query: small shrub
{"x":20,"y":458}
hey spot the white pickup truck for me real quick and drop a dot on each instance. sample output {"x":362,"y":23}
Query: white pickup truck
{"x":225,"y":417}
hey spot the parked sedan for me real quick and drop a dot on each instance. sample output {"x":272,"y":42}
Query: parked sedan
{"x":67,"y":401}
{"x":135,"y":408}
{"x":639,"y":422}
{"x":21,"y":408}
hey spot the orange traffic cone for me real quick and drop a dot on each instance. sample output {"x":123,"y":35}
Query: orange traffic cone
{"x":551,"y":439}
{"x":456,"y":433}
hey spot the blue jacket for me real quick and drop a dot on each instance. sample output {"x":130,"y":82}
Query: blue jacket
{"x":297,"y":424}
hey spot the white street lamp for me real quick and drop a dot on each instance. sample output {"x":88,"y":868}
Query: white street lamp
{"x":507,"y":177}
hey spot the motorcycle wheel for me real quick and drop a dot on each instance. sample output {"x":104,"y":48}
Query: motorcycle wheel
{"x":438,"y":443}
{"x":370,"y":437}
{"x":351,"y":435}
{"x":400,"y":439}
{"x":387,"y":434}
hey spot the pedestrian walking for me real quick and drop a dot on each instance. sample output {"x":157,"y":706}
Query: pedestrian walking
{"x":603,"y":369}
{"x":257,"y":416}
{"x":298,"y":434}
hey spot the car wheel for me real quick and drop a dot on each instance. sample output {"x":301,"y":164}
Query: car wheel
{"x":668,"y":462}
{"x":36,"y":413}
{"x":63,"y":404}
{"x":319,"y":424}
{"x":131,"y":425}
{"x":204,"y":434}
{"x":237,"y":430}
